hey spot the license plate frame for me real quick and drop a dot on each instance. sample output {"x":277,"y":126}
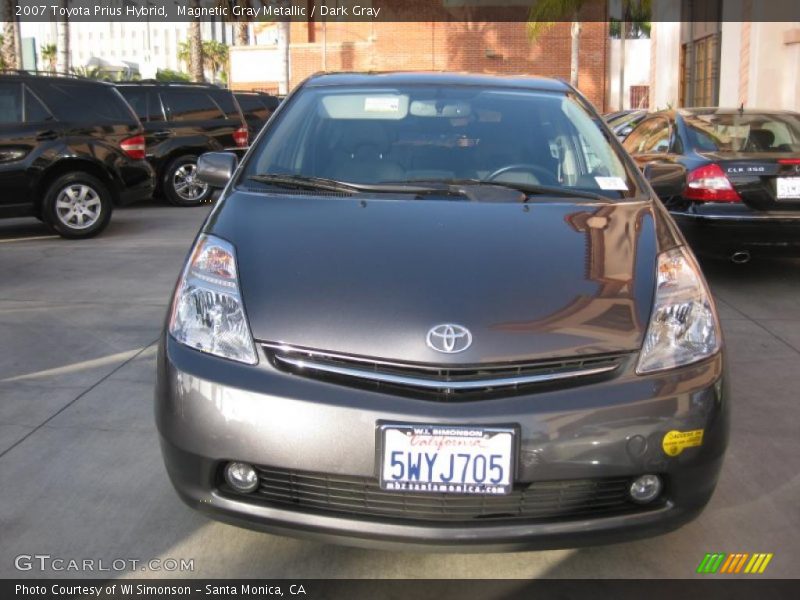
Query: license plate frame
{"x":502,"y":436}
{"x":787,"y":188}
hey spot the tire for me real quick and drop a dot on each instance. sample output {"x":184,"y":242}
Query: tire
{"x":182,"y":171}
{"x":77,"y":205}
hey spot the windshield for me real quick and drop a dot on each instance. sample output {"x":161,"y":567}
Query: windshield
{"x":744,"y":132}
{"x":438,"y":134}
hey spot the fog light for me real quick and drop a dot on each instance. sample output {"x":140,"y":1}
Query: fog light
{"x":645,"y":489}
{"x":241,"y":477}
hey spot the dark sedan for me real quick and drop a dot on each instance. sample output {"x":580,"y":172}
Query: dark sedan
{"x":623,"y":122}
{"x":446,"y":311}
{"x":731,"y":178}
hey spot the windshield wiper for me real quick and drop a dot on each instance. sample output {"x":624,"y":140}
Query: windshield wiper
{"x":304,"y":182}
{"x":321,"y":183}
{"x":529,"y":189}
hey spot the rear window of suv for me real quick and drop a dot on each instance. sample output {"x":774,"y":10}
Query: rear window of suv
{"x":79,"y":102}
{"x":190,"y":105}
{"x":252,"y":106}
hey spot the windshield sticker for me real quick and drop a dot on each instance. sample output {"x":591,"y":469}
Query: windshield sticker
{"x":611,"y":183}
{"x":383,"y":104}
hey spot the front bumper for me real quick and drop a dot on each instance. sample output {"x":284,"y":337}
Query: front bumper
{"x":719,"y":229}
{"x":210,"y":411}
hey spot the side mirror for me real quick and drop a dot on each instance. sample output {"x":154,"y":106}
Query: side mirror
{"x":216,"y":168}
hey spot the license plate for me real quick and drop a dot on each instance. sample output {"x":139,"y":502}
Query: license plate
{"x":788,"y":187}
{"x":450,"y":459}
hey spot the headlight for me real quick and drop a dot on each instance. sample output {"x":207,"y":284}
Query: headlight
{"x":207,"y":311}
{"x":683,"y":327}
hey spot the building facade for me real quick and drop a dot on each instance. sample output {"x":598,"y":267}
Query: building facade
{"x":723,"y":57}
{"x":498,"y":47}
{"x":142,"y":47}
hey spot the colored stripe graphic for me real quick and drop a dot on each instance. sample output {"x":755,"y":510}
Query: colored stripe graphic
{"x":711,"y":562}
{"x":737,"y":562}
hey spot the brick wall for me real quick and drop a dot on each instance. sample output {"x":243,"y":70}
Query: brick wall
{"x":479,"y":46}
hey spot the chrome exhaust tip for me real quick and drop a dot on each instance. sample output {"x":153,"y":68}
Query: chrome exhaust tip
{"x":741,"y":257}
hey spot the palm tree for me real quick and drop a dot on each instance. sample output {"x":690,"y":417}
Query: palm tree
{"x":184,"y":53}
{"x":215,"y":56}
{"x":241,"y":25}
{"x":284,"y":32}
{"x":545,"y":13}
{"x":9,"y":52}
{"x":242,"y":33}
{"x":196,"y":49}
{"x":63,"y":42}
{"x":49,"y":54}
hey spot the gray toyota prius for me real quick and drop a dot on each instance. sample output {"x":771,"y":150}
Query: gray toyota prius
{"x":446,"y":312}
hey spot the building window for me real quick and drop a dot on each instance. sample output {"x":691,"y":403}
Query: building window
{"x":700,"y":46}
{"x":701,"y":72}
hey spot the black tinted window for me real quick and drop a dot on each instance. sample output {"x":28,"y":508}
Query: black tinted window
{"x":10,"y":103}
{"x":190,"y":105}
{"x":85,"y":103}
{"x":253,"y":107}
{"x":224,"y":100}
{"x":35,"y":111}
{"x":145,"y":103}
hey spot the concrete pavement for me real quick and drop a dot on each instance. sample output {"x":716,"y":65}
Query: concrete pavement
{"x":82,"y":473}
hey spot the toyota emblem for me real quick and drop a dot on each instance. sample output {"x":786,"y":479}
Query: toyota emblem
{"x":449,"y":338}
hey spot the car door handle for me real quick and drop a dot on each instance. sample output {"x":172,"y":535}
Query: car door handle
{"x":46,"y":135}
{"x":161,"y":135}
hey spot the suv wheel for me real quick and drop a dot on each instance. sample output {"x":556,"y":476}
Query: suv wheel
{"x":77,"y":205}
{"x":181,"y":185}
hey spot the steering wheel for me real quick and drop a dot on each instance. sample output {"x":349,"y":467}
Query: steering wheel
{"x":534,"y":170}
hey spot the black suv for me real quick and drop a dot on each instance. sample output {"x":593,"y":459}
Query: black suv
{"x":257,"y":108}
{"x":70,"y":148}
{"x":181,"y":122}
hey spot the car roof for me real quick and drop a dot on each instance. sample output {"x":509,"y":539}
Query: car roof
{"x":436,"y":78}
{"x":47,"y":76}
{"x":716,"y":110}
{"x":174,"y":84}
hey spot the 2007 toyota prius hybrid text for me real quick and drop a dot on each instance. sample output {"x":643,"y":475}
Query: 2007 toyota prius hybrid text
{"x":441,"y":311}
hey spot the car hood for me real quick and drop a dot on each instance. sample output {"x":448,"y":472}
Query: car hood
{"x":370,"y":277}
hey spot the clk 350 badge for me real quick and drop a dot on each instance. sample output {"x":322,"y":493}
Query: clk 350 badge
{"x":746,"y":170}
{"x":676,"y":442}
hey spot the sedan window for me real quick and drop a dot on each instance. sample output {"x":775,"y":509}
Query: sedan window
{"x":652,"y":136}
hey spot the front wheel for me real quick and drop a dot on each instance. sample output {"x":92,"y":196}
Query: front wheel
{"x":77,"y":205}
{"x":181,"y":186}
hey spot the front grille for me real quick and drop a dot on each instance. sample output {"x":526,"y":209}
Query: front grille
{"x":362,"y":496}
{"x":443,"y":382}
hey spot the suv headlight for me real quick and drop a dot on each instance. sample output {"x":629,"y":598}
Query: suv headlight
{"x":683,"y":327}
{"x":207,"y":311}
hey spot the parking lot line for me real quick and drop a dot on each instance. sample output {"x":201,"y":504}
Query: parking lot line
{"x":28,"y":239}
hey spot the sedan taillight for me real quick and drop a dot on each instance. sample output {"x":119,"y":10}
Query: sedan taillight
{"x":710,"y":184}
{"x":133,"y":147}
{"x":240,"y":136}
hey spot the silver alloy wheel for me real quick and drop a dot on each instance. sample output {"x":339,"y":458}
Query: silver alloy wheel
{"x":186,"y":184}
{"x":78,"y":206}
